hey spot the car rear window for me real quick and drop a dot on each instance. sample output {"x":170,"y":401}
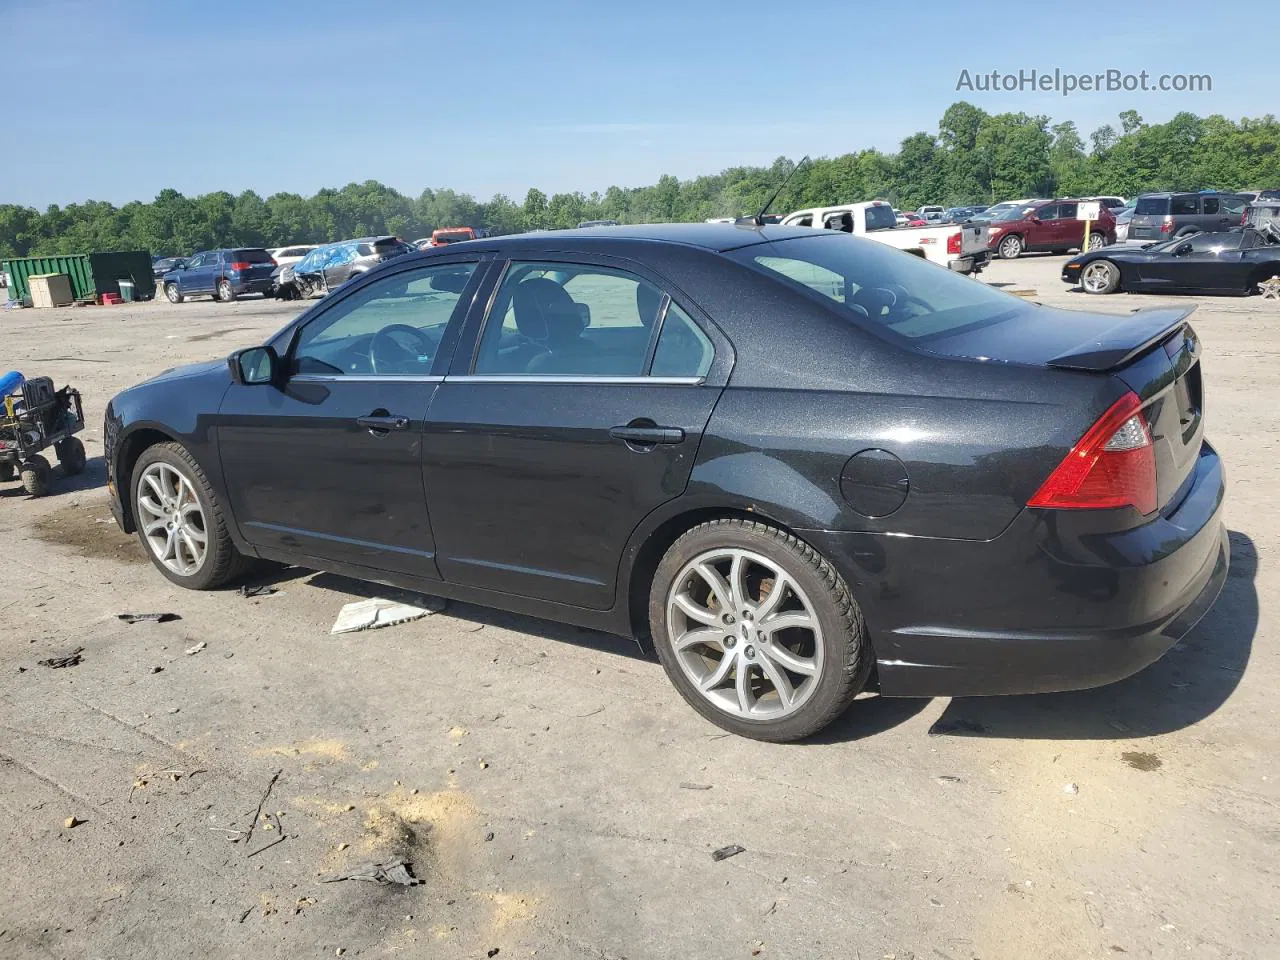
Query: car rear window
{"x":881,"y":218}
{"x":877,"y":286}
{"x":1151,"y":207}
{"x":452,"y":236}
{"x":250,"y":256}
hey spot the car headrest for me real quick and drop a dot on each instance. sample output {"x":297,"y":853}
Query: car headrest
{"x":545,"y":312}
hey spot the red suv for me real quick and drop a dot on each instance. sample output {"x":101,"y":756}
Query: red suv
{"x":1047,"y":225}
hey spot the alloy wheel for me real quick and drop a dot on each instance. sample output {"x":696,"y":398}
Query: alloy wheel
{"x":171,"y":292}
{"x":172,"y":520}
{"x":745,"y":634}
{"x":1096,"y":277}
{"x":1096,"y":241}
{"x":1010,"y":248}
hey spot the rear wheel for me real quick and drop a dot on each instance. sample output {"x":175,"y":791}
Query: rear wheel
{"x":225,"y":292}
{"x":1100,"y":276}
{"x":172,"y":292}
{"x":757,"y":630}
{"x":1011,"y":247}
{"x":71,"y":455}
{"x":1097,"y":241}
{"x":35,"y":476}
{"x":180,"y":521}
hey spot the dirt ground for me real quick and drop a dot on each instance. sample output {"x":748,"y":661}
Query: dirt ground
{"x":551,"y":790}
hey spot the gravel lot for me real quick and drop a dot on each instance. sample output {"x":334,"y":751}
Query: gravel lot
{"x":550,"y":788}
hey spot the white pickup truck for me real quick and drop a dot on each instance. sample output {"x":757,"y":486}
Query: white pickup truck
{"x":961,"y":247}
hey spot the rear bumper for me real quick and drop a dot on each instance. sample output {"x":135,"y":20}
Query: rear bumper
{"x":971,"y":264}
{"x":1036,"y":610}
{"x":253,"y":286}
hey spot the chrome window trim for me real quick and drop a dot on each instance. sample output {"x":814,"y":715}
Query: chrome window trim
{"x":364,"y":378}
{"x":574,"y":378}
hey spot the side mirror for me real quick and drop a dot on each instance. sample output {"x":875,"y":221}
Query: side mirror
{"x":256,"y":365}
{"x":1033,"y":218}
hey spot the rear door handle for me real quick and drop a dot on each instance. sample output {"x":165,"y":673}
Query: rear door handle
{"x":647,"y":436}
{"x":383,"y":423}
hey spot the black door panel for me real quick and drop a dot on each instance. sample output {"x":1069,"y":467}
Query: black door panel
{"x":305,"y":475}
{"x":530,"y":492}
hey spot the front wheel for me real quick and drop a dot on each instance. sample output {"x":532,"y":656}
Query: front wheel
{"x":757,"y":631}
{"x":180,"y":521}
{"x":35,"y":476}
{"x":1011,"y":247}
{"x":1100,"y":276}
{"x":225,"y":292}
{"x":172,"y":293}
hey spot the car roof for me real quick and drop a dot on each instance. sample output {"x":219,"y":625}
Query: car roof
{"x":716,"y":237}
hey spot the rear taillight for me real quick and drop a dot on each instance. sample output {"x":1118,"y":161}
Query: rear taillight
{"x":1166,"y":225}
{"x":953,"y":244}
{"x":240,"y":265}
{"x":1113,"y":465}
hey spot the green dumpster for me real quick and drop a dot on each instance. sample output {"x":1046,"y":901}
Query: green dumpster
{"x":92,"y":274}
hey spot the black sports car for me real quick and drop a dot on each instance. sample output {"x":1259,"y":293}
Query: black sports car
{"x":794,"y":461}
{"x":1235,"y":261}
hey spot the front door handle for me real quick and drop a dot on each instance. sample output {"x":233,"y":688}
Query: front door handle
{"x":647,"y":436}
{"x":383,"y":422}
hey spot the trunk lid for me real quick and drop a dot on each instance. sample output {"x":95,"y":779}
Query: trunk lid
{"x":1155,"y":353}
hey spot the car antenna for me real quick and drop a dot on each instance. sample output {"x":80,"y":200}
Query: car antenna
{"x":758,"y":219}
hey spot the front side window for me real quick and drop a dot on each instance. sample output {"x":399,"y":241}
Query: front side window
{"x":391,"y":327}
{"x":877,"y":286}
{"x":1048,"y":212}
{"x":562,"y":319}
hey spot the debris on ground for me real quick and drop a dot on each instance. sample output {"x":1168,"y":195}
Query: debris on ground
{"x":70,"y":660}
{"x":695,"y":786}
{"x":377,"y":612}
{"x":257,"y":590}
{"x":192,"y":651}
{"x":248,"y":835}
{"x":947,"y":778}
{"x":147,"y":617}
{"x":724,"y":853}
{"x":392,"y":871}
{"x":488,"y":836}
{"x":157,"y":669}
{"x":72,"y":822}
{"x":1070,"y":788}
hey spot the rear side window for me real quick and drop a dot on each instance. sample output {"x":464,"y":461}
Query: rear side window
{"x":1211,"y":205}
{"x":1184,"y":205}
{"x":1067,"y":211}
{"x":879,"y":287}
{"x":683,"y":350}
{"x":1151,"y":207}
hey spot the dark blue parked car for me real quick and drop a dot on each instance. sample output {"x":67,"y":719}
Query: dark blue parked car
{"x":221,"y":274}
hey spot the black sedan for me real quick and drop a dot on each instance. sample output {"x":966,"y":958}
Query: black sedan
{"x":797,"y":463}
{"x":1235,"y":261}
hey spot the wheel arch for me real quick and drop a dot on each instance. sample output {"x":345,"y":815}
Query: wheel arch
{"x":130,"y":448}
{"x":655,"y":538}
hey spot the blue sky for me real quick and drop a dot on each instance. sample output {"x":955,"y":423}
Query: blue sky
{"x":276,"y":95}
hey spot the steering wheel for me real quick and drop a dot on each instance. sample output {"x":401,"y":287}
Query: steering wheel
{"x":389,"y":352}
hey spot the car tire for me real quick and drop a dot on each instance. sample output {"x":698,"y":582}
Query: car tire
{"x":172,"y":293}
{"x":36,"y":473}
{"x":1100,"y":277}
{"x":832,"y":654}
{"x":155,"y":476}
{"x":7,"y":472}
{"x":1011,"y":247}
{"x":71,"y":455}
{"x":1096,"y":241}
{"x":224,"y":292}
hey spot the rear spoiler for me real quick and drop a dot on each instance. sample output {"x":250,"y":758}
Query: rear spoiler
{"x":1126,"y":340}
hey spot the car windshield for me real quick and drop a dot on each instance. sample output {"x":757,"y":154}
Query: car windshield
{"x":880,"y":287}
{"x":452,"y":236}
{"x":1009,"y":213}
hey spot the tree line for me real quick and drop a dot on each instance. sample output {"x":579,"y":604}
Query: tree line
{"x":974,"y":157}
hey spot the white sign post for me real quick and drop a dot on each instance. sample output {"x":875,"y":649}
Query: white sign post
{"x":1088,"y":211}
